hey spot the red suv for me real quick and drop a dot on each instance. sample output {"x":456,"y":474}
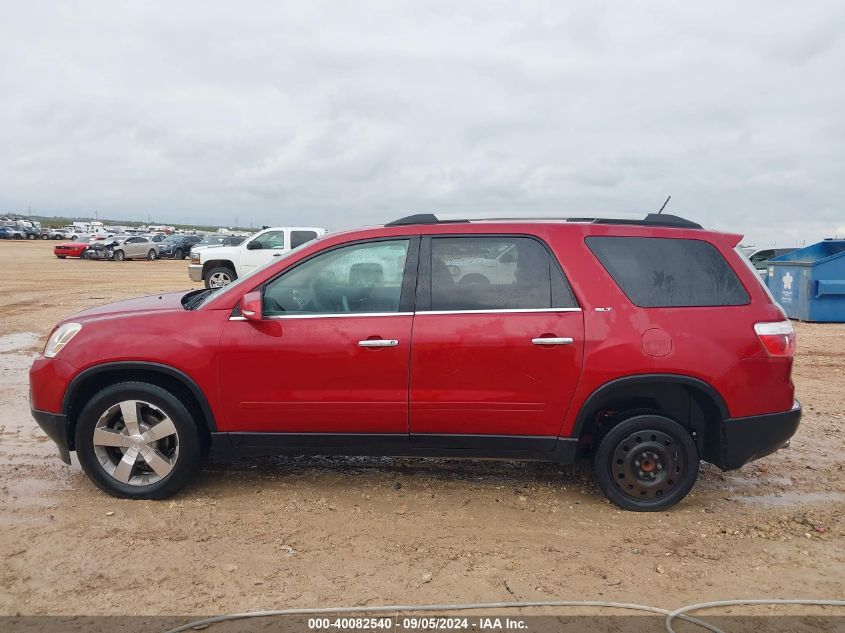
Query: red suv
{"x":647,"y":345}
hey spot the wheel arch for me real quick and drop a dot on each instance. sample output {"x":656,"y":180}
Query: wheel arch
{"x":690,"y":401}
{"x":214,"y":263}
{"x":91,"y":380}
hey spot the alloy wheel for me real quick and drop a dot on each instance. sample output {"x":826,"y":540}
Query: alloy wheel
{"x":218,"y":280}
{"x":136,"y":443}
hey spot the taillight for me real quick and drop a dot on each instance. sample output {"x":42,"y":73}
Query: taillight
{"x":778,"y":338}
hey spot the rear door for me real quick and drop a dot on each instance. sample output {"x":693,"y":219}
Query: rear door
{"x":498,"y":343}
{"x":134,"y":247}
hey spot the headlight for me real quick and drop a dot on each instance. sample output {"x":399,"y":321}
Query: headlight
{"x":195,"y":258}
{"x":60,"y":338}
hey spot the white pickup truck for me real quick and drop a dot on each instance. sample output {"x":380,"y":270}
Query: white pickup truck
{"x":219,"y":266}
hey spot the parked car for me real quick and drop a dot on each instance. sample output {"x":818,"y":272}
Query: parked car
{"x":5,"y":234}
{"x":178,"y":246}
{"x":123,"y":247}
{"x":54,"y":234}
{"x":155,"y":237}
{"x":760,"y":258}
{"x":23,"y":232}
{"x":74,"y":249}
{"x":646,"y":347}
{"x":221,"y":266}
{"x":213,"y":241}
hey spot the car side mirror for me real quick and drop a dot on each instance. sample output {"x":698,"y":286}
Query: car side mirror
{"x":251,"y":306}
{"x":254,"y":245}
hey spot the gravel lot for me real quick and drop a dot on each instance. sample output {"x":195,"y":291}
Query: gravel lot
{"x":279,"y":532}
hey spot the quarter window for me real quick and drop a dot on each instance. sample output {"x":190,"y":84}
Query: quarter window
{"x":656,"y":272}
{"x":357,"y":279}
{"x":495,"y":273}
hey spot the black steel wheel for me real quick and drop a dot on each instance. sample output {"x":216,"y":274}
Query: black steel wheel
{"x":646,"y":463}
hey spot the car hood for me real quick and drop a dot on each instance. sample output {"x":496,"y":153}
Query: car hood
{"x":198,"y":247}
{"x":153,"y":303}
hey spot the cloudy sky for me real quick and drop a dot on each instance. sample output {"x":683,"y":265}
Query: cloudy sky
{"x":341,"y":114}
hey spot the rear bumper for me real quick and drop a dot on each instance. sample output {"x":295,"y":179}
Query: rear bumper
{"x":195,"y":272}
{"x":55,"y":426}
{"x":747,"y":439}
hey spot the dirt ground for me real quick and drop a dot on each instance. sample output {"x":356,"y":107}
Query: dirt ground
{"x":272,"y":533}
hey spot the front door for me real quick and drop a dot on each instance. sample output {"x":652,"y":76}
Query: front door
{"x":261,"y":249}
{"x":332,"y":352}
{"x":497,"y":344}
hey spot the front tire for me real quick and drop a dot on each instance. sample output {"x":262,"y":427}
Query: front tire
{"x":119,"y":256}
{"x":152,"y":254}
{"x":30,"y":236}
{"x":135,"y":440}
{"x":646,"y":463}
{"x":219,"y":277}
{"x":179,"y":254}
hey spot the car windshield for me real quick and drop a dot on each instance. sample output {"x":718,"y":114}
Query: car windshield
{"x":212,"y":239}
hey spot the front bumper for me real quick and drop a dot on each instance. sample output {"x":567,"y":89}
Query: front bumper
{"x":747,"y":439}
{"x":55,"y":426}
{"x":195,"y":272}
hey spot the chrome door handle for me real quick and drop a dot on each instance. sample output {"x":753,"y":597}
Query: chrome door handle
{"x":562,"y":340}
{"x":379,"y":342}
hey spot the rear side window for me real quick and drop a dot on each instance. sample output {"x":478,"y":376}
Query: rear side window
{"x":495,"y":273}
{"x":666,"y":272}
{"x":298,"y":238}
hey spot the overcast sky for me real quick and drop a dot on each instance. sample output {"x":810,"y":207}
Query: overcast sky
{"x":350,"y":113}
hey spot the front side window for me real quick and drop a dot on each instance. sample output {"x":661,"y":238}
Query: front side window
{"x":270,"y":239}
{"x":354,"y":279}
{"x":298,"y":238}
{"x":657,"y":272}
{"x":495,"y":273}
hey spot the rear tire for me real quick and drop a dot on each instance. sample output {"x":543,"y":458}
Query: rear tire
{"x":646,"y":463}
{"x":139,"y":468}
{"x":219,"y":277}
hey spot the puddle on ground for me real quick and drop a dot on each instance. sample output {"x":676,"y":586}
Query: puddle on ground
{"x":18,"y":341}
{"x":792,"y":499}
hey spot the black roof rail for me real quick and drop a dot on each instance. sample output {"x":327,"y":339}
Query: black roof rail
{"x":652,"y":219}
{"x":418,"y":218}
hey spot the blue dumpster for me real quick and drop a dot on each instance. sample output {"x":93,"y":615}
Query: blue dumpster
{"x":810,"y":283}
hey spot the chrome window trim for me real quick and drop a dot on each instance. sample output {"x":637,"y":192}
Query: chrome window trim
{"x":337,"y":315}
{"x":500,"y":311}
{"x":421,"y":312}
